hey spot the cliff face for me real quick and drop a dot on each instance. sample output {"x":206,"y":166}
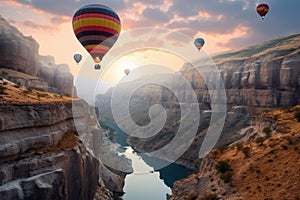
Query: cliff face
{"x":264,"y":76}
{"x":21,"y":63}
{"x":29,"y":168}
{"x":18,"y":52}
{"x":264,"y":164}
{"x":42,"y":154}
{"x":260,"y":77}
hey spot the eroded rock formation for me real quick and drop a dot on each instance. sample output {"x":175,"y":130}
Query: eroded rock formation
{"x":20,"y":57}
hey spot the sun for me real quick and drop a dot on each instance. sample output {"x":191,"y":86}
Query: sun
{"x":135,"y":59}
{"x":115,"y":72}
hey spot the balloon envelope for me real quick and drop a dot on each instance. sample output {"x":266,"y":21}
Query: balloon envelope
{"x":77,"y":57}
{"x":126,"y":71}
{"x":262,"y":10}
{"x":199,"y":42}
{"x":97,"y":27}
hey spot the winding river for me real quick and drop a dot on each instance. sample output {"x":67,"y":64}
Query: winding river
{"x":146,"y":182}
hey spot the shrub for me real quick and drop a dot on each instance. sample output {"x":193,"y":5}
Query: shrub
{"x":297,"y":116}
{"x":267,"y":130}
{"x":260,"y":140}
{"x":239,"y":146}
{"x":2,"y":89}
{"x":246,"y":151}
{"x":226,"y":177}
{"x":223,"y":167}
{"x":37,"y":88}
{"x":4,"y":74}
{"x":222,"y":148}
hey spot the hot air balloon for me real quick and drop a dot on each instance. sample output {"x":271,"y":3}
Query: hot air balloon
{"x":97,"y":27}
{"x":199,"y":42}
{"x":126,"y":71}
{"x":77,"y":57}
{"x":262,"y":10}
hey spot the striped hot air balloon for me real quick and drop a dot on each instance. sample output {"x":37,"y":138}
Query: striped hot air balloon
{"x":97,"y":27}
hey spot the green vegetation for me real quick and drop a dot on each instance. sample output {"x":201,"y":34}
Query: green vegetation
{"x":226,"y":172}
{"x":227,"y":177}
{"x":239,"y":146}
{"x":246,"y":151}
{"x":223,"y":167}
{"x":260,"y":140}
{"x":297,"y":116}
{"x":267,"y":130}
{"x":4,"y":74}
{"x":103,"y":125}
{"x":2,"y":89}
{"x":111,"y":136}
{"x":35,"y":88}
{"x":18,"y":85}
{"x":222,"y":148}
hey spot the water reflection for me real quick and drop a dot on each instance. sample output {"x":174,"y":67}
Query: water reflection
{"x":144,"y":183}
{"x":148,"y":182}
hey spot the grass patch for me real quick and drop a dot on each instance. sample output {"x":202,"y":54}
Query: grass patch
{"x":297,"y":116}
{"x":68,"y":141}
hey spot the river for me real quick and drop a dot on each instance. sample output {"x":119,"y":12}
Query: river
{"x":146,"y":182}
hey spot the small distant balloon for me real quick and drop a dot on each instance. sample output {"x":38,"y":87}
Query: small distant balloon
{"x":126,"y":71}
{"x":262,"y":10}
{"x":77,"y":57}
{"x":97,"y":28}
{"x":199,"y":43}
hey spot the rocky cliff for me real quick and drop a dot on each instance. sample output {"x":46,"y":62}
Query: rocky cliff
{"x":21,"y":63}
{"x":48,"y":149}
{"x":264,"y":164}
{"x":260,"y":77}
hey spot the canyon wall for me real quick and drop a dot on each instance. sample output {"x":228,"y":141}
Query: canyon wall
{"x":20,"y":62}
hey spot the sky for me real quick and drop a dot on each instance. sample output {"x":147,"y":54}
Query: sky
{"x":225,"y":25}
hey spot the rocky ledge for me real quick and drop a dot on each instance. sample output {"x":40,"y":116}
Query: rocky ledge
{"x":42,"y":155}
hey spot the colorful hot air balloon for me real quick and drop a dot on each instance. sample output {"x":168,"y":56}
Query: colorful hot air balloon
{"x":126,"y":71}
{"x":97,"y":27}
{"x":262,"y":10}
{"x":199,"y":42}
{"x":77,"y":57}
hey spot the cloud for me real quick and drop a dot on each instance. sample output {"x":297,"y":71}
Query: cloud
{"x":216,"y":18}
{"x":34,"y":25}
{"x":59,"y":20}
{"x":155,"y":16}
{"x":67,"y":7}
